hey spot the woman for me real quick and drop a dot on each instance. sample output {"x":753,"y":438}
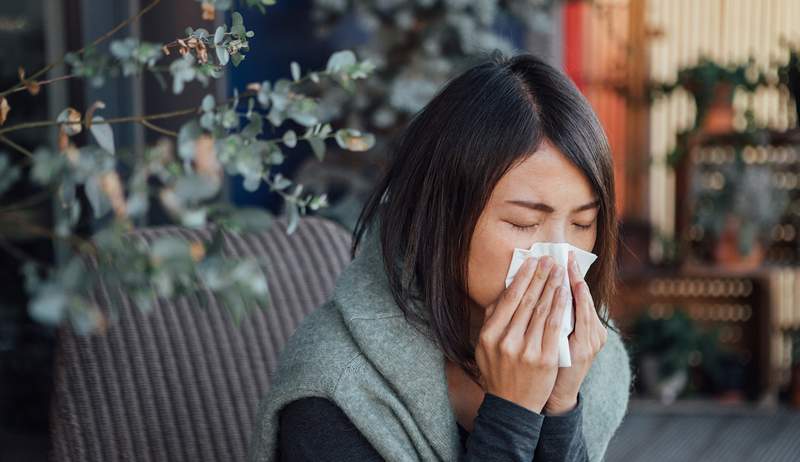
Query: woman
{"x":422,"y":353}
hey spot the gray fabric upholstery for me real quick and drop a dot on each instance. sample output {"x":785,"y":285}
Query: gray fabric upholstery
{"x":182,"y":383}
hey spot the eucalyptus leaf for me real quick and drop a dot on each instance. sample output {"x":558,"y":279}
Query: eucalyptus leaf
{"x":103,"y":134}
{"x":290,"y":138}
{"x":318,"y":146}
{"x":340,"y":60}
{"x":295,"y":68}
{"x":293,"y":215}
{"x":223,"y":55}
{"x":97,"y":198}
{"x":187,"y":136}
{"x":209,"y":103}
{"x":195,"y":188}
{"x":219,"y":35}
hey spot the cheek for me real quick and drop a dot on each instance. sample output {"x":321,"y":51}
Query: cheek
{"x":490,"y":254}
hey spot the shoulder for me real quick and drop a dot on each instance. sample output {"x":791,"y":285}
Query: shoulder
{"x":317,"y":353}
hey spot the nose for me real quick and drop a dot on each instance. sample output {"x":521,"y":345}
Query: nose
{"x":555,"y":232}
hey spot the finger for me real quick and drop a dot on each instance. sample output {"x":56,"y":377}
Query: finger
{"x":511,"y":296}
{"x":544,"y":305}
{"x":552,"y":330}
{"x":536,"y":326}
{"x":521,"y":318}
{"x":587,"y":305}
{"x":577,"y":284}
{"x":575,"y":276}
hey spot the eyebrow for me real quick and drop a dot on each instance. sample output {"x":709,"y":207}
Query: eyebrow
{"x":548,"y":209}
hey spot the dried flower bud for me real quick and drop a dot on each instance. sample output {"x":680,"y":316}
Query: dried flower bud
{"x":4,"y":108}
{"x":209,"y":14}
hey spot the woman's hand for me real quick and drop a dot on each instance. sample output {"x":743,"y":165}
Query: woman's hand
{"x":517,"y":348}
{"x":585,"y":341}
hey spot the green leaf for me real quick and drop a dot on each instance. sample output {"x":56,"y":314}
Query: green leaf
{"x":293,"y":215}
{"x":340,"y":61}
{"x":195,"y":188}
{"x":254,"y":127}
{"x":169,"y":247}
{"x":187,"y":135}
{"x":208,"y":103}
{"x":230,"y":119}
{"x":9,"y":174}
{"x":97,"y":198}
{"x":49,"y":305}
{"x":318,"y":146}
{"x":236,"y":19}
{"x":279,"y":182}
{"x":290,"y":138}
{"x":219,"y":35}
{"x":224,"y":56}
{"x":295,"y":71}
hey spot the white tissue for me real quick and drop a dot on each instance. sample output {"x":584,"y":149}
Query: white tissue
{"x":560,"y":253}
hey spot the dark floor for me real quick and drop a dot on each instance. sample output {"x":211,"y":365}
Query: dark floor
{"x":706,"y":432}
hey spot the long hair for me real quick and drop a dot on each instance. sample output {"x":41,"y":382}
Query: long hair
{"x":443,"y":168}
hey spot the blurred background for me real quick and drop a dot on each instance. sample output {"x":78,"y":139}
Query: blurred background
{"x":699,"y":99}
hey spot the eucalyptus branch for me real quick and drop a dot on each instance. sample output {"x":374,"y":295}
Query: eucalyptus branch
{"x":158,"y":129}
{"x":40,"y":83}
{"x":17,"y":147}
{"x":96,"y":42}
{"x":111,"y":121}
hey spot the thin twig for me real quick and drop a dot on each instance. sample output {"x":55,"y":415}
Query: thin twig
{"x":75,"y":240}
{"x":158,"y":129}
{"x":18,"y":254}
{"x":41,"y":83}
{"x":119,"y":120}
{"x":97,"y":41}
{"x":14,"y":145}
{"x":24,"y":203}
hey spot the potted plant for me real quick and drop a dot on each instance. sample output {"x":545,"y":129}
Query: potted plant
{"x":663,"y":347}
{"x":737,"y":205}
{"x":712,"y":87}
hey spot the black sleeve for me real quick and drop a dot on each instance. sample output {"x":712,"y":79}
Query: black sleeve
{"x":316,"y":429}
{"x":561,"y":438}
{"x":503,"y":431}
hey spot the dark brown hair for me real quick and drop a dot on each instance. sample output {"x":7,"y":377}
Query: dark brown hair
{"x":441,"y":173}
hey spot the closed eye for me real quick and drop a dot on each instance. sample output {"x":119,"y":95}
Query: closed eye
{"x":527,"y":227}
{"x":524,"y":228}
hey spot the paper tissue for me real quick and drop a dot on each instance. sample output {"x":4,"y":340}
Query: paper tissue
{"x":559,"y":251}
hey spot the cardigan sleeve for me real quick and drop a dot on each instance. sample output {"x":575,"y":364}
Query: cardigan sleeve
{"x":316,"y":429}
{"x":561,"y":438}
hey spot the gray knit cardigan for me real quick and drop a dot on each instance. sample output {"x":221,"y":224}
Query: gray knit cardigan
{"x":358,"y":351}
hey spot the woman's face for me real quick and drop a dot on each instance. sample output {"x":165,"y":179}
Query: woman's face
{"x":545,"y":198}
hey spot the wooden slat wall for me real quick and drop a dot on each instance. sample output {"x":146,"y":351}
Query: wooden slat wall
{"x":728,"y":31}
